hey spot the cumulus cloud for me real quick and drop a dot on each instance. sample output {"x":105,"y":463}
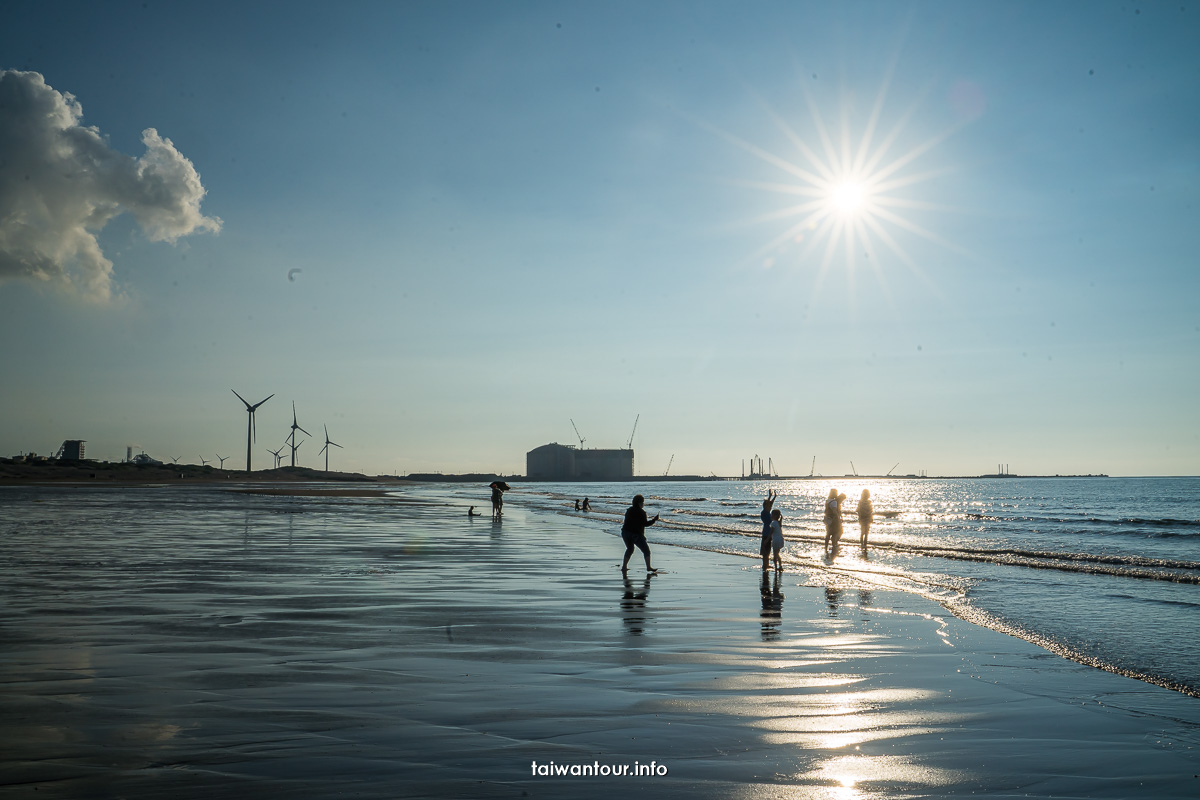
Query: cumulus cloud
{"x":61,"y":183}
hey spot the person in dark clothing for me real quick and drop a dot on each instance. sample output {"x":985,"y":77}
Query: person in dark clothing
{"x":764,"y":547}
{"x":497,"y":501}
{"x":587,"y":504}
{"x":633,"y":532}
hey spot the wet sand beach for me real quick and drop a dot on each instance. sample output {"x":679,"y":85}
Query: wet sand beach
{"x":205,"y":643}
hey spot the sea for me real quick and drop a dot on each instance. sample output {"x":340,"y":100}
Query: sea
{"x":1105,"y":571}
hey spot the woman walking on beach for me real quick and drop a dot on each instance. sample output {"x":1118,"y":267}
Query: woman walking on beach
{"x":833,"y":519}
{"x":866,"y":513}
{"x":633,"y":532}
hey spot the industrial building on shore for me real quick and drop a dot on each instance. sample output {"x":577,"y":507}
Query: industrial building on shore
{"x":561,"y":462}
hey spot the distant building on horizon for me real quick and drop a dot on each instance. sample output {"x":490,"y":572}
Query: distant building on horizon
{"x":562,"y":462}
{"x":71,"y":450}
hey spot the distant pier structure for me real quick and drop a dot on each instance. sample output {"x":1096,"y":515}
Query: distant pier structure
{"x":562,"y":462}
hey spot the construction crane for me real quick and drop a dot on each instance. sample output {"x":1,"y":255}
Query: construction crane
{"x":629,"y":444}
{"x":669,"y":463}
{"x":852,"y":469}
{"x":581,"y":439}
{"x":889,"y":472}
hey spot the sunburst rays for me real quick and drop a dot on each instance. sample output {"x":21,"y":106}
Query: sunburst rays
{"x":849,"y":189}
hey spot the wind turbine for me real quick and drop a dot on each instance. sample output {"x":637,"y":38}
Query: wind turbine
{"x":250,"y":409}
{"x":277,"y":455}
{"x":203,"y":461}
{"x":222,"y":459}
{"x":295,"y":427}
{"x":325,"y":449}
{"x":175,"y":459}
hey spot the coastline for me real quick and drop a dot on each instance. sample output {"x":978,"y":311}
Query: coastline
{"x":49,"y":471}
{"x":432,"y":655}
{"x":86,"y":473}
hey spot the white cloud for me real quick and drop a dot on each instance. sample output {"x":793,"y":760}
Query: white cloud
{"x":61,"y":183}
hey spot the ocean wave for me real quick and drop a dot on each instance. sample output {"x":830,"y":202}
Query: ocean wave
{"x":1165,"y":521}
{"x":1162,"y":601}
{"x":964,"y":608}
{"x":1032,"y":519}
{"x":1128,"y":566}
{"x":724,"y":514}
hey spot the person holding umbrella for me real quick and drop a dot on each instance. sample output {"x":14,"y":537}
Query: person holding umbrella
{"x":498,"y":489}
{"x":633,"y":532}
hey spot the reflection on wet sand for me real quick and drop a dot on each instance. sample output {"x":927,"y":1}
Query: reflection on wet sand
{"x":772,"y":607}
{"x":633,"y":605}
{"x":199,"y":644}
{"x":65,"y":678}
{"x":845,"y":720}
{"x":833,"y":596}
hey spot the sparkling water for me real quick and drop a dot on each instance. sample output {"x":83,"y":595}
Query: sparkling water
{"x":1102,"y":570}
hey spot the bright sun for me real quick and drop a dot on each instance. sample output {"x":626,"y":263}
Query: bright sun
{"x":846,"y":192}
{"x":847,"y":197}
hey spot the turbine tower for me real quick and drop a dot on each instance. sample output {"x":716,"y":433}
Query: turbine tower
{"x":325,"y":449}
{"x":277,"y":455}
{"x":295,"y":427}
{"x":250,"y":409}
{"x":222,"y":459}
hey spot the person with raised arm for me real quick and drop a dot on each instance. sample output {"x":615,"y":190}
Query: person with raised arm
{"x":764,"y":547}
{"x":633,"y":532}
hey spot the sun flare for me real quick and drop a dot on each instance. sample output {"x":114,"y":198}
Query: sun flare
{"x":849,"y":190}
{"x":847,"y":197}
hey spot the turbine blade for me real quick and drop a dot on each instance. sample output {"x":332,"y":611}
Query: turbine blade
{"x":306,"y":433}
{"x":335,"y":444}
{"x":323,"y":449}
{"x":260,"y":402}
{"x":239,"y":397}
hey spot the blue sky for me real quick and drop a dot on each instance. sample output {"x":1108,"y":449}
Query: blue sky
{"x":510,"y":215}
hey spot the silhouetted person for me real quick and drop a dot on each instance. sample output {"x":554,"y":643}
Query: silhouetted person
{"x":471,"y":512}
{"x":833,"y":519}
{"x":576,"y":503}
{"x":633,"y":532}
{"x":764,"y":547}
{"x":497,"y":501}
{"x":587,"y":504}
{"x":777,"y":537}
{"x":866,"y":513}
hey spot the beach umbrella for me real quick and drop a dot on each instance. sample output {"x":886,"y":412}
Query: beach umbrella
{"x":501,"y":485}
